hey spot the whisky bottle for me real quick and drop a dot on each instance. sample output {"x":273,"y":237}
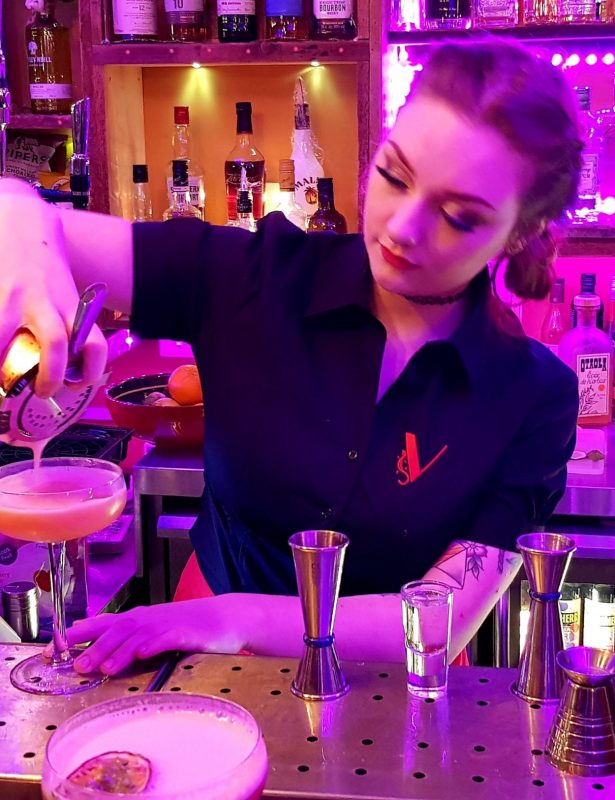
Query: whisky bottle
{"x":306,"y":154}
{"x":333,"y":19}
{"x":182,"y":149}
{"x":237,"y":20}
{"x":186,"y":20}
{"x":327,"y":218}
{"x":288,"y":205}
{"x":496,"y":14}
{"x":141,"y":199}
{"x":135,"y":20}
{"x":244,"y":154}
{"x":447,"y":14}
{"x":586,"y":209}
{"x":180,"y":204}
{"x":540,"y":12}
{"x":577,"y":11}
{"x":49,"y":62}
{"x":284,"y":20}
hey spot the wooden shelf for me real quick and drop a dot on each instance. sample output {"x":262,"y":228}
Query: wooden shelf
{"x":536,"y":33}
{"x":213,"y":53}
{"x":589,"y":241}
{"x":28,"y":121}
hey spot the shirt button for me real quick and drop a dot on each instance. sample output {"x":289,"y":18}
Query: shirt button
{"x":353,"y":455}
{"x":326,"y":513}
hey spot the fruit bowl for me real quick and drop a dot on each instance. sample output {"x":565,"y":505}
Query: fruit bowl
{"x":169,"y":427}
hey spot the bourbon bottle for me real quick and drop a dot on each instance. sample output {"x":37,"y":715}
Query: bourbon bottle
{"x":327,"y":218}
{"x":49,"y":62}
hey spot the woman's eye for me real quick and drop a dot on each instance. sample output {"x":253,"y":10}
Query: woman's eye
{"x":459,"y":224}
{"x":390,"y":178}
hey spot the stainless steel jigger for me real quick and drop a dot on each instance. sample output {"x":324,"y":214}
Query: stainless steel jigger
{"x":319,"y":558}
{"x":546,"y":557}
{"x":582,"y":737}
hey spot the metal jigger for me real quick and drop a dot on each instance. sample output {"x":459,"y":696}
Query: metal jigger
{"x":546,"y":557}
{"x":582,"y":737}
{"x":319,"y":558}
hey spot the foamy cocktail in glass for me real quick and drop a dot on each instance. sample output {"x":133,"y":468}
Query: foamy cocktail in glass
{"x":62,"y":499}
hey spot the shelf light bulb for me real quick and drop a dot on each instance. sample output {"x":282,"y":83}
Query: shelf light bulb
{"x":314,"y":63}
{"x":573,"y":60}
{"x":557,"y":60}
{"x":196,"y":65}
{"x":591,"y":59}
{"x":608,"y":59}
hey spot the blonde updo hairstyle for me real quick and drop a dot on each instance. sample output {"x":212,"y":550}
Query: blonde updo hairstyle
{"x":505,"y":86}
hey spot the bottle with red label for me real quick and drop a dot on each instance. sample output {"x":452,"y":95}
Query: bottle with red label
{"x":244,"y":155}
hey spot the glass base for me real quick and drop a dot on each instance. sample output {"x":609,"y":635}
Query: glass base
{"x":429,"y":692}
{"x":38,"y":675}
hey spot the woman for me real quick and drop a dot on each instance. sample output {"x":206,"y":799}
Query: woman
{"x":371,"y":384}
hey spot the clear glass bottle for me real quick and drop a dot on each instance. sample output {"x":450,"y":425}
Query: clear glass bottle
{"x":587,"y":207}
{"x":284,"y":20}
{"x":49,"y":60}
{"x":182,"y":149}
{"x":333,"y":20}
{"x":577,"y":11}
{"x":237,"y":20}
{"x":447,"y":14}
{"x":288,"y":205}
{"x":142,"y":210}
{"x":244,"y":154}
{"x":588,"y":286}
{"x":599,"y":617}
{"x":606,"y":162}
{"x":553,"y":325}
{"x":588,"y":352}
{"x":496,"y":14}
{"x":570,"y":609}
{"x":306,"y":154}
{"x":186,"y":20}
{"x":135,"y":20}
{"x":327,"y":217}
{"x":180,"y":204}
{"x":540,"y":12}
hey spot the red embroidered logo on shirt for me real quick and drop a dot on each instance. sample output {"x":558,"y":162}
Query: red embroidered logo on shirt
{"x":409,"y":468}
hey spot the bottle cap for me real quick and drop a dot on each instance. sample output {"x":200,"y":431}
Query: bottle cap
{"x":140,"y":173}
{"x":587,"y":300}
{"x":244,"y":117}
{"x":557,"y":291}
{"x":182,"y":115}
{"x":287,"y":174}
{"x":588,"y":282}
{"x":180,"y":172}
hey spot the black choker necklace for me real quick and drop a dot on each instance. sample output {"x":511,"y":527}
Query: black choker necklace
{"x":436,"y":299}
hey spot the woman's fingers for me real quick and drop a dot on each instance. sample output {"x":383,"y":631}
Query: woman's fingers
{"x":50,"y":333}
{"x":94,"y":355}
{"x":106,"y":645}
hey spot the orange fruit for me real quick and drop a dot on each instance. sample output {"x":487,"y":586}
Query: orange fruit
{"x":185,"y":386}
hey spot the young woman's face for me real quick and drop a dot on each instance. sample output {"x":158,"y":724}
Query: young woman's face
{"x":443,"y":199}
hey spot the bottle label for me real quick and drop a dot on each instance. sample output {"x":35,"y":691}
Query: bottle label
{"x":184,"y":12}
{"x":599,"y":624}
{"x":594,"y":374}
{"x":570,"y":612}
{"x":51,"y":91}
{"x":333,"y":9}
{"x":230,"y":8}
{"x":588,"y":178}
{"x":283,"y":8}
{"x":197,"y":197}
{"x":135,"y":17}
{"x":497,"y":8}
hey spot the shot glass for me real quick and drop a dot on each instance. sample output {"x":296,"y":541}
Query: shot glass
{"x":427,"y":614}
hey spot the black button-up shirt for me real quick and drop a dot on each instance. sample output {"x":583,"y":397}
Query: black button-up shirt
{"x":470,"y":442}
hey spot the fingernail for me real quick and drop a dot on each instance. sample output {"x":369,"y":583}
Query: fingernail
{"x":84,"y":663}
{"x":108,"y":666}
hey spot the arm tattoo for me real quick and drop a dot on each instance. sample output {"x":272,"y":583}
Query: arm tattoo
{"x":463,"y":558}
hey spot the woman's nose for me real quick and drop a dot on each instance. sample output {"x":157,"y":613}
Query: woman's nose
{"x":405,"y":226}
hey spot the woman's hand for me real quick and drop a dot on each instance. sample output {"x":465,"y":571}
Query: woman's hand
{"x":211,"y":624}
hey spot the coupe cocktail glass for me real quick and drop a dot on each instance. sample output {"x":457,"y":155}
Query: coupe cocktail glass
{"x":63,"y":499}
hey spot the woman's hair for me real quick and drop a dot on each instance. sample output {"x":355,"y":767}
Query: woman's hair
{"x":527,"y":100}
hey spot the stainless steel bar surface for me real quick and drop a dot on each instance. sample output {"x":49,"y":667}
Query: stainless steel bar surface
{"x":378,"y":742}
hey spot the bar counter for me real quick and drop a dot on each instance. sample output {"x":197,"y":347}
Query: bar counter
{"x":377,"y":742}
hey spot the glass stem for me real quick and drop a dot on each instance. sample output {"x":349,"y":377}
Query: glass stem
{"x":57,"y":559}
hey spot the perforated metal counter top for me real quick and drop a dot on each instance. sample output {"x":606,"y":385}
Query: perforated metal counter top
{"x":378,"y":742}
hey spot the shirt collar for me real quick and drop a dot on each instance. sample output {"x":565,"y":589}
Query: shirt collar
{"x":343,"y":277}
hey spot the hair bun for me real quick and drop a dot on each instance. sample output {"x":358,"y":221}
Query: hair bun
{"x":529,"y":273}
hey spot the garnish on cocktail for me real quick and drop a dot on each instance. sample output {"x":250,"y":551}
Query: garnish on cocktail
{"x":114,"y":772}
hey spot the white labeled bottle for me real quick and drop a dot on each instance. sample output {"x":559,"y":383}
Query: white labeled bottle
{"x":141,"y":199}
{"x":288,"y":205}
{"x":306,"y":153}
{"x":180,"y":201}
{"x":588,"y":351}
{"x":599,"y":617}
{"x":49,"y":60}
{"x":587,"y":206}
{"x":182,"y":150}
{"x":135,"y":20}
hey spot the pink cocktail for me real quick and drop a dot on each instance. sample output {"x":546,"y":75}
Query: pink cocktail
{"x":64,"y":498}
{"x":168,"y":746}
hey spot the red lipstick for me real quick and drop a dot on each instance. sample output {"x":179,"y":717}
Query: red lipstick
{"x":395,"y":261}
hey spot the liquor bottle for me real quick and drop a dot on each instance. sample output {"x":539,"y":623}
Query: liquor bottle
{"x":237,"y":20}
{"x":570,"y":612}
{"x":577,"y":11}
{"x":553,"y":326}
{"x":182,"y":149}
{"x":588,"y":352}
{"x":327,"y":218}
{"x":306,"y":154}
{"x":181,"y":205}
{"x":447,"y":14}
{"x":587,"y":206}
{"x":599,"y":617}
{"x":607,"y":11}
{"x":333,"y":20}
{"x":606,"y":162}
{"x":186,"y":20}
{"x":135,"y":20}
{"x":539,"y":12}
{"x":244,"y":154}
{"x":141,"y":200}
{"x":496,"y":13}
{"x":588,"y":286}
{"x":284,"y":20}
{"x":288,"y":205}
{"x":49,"y":62}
